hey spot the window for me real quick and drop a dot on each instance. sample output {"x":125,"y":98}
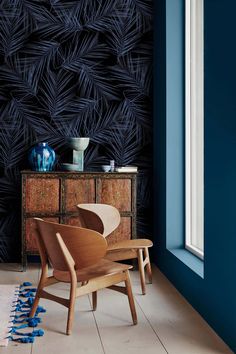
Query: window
{"x":194,"y":127}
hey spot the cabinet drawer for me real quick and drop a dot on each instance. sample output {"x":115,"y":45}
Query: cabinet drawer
{"x":30,"y":239}
{"x":78,"y":191}
{"x":116,"y":192}
{"x":42,"y":195}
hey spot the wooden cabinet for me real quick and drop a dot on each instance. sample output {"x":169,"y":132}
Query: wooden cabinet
{"x":53,"y":196}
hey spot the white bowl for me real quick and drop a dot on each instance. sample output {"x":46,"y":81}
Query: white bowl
{"x":106,"y":168}
{"x":78,"y":144}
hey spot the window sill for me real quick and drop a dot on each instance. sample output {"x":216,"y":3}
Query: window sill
{"x":191,"y":261}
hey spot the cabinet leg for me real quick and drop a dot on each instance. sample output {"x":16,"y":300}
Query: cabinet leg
{"x":24,"y":262}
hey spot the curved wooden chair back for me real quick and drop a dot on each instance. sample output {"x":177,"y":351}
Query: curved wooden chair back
{"x":86,"y":247}
{"x":102,"y":218}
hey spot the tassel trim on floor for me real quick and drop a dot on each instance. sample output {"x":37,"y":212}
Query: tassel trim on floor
{"x":20,"y":318}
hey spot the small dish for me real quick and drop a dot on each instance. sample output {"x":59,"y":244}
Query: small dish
{"x":70,"y":167}
{"x":106,"y":168}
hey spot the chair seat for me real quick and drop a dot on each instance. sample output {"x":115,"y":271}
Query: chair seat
{"x":103,"y":267}
{"x":129,"y":244}
{"x":122,"y":254}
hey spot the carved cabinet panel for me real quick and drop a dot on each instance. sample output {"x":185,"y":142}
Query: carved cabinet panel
{"x":53,"y":196}
{"x":117,"y":193}
{"x":79,"y":191}
{"x":30,"y":234}
{"x":123,"y":232}
{"x":42,"y":195}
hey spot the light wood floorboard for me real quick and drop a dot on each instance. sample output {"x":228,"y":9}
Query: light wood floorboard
{"x":166,"y":322}
{"x":180,"y":328}
{"x":117,"y":331}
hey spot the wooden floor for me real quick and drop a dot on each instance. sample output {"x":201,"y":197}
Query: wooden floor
{"x":167,"y":323}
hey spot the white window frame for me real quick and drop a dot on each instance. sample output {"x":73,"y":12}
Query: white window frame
{"x":194,"y":128}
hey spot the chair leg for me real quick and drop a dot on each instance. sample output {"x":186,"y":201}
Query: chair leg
{"x":141,"y":270}
{"x":94,"y":298}
{"x":35,"y":304}
{"x":148,"y":265}
{"x":39,"y":288}
{"x":71,"y":309}
{"x":70,"y":317}
{"x":130,"y":297}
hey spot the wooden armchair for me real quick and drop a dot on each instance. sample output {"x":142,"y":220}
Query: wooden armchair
{"x":76,"y":255}
{"x":105,"y":219}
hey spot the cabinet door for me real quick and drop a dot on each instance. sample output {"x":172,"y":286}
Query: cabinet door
{"x":78,"y":191}
{"x":73,"y":221}
{"x":31,"y":243}
{"x":42,"y":195}
{"x":123,"y":232}
{"x":116,"y":192}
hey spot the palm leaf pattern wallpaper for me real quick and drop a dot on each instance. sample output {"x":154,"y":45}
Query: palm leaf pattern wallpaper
{"x":74,"y":68}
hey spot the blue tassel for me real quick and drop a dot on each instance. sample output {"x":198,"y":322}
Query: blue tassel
{"x":24,"y":340}
{"x":19,"y":309}
{"x":40,"y":309}
{"x":26,"y":283}
{"x":23,"y":318}
{"x":20,"y":334}
{"x":27,"y":294}
{"x":15,"y":328}
{"x":19,"y":316}
{"x":18,"y":321}
{"x":30,"y":301}
{"x":27,"y":334}
{"x":17,"y":301}
{"x":37,"y":333}
{"x":21,"y":306}
{"x":25,"y":305}
{"x":33,"y":322}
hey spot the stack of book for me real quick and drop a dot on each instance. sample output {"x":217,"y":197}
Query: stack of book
{"x":127,"y":169}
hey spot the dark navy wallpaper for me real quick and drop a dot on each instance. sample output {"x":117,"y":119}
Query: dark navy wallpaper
{"x":74,"y":68}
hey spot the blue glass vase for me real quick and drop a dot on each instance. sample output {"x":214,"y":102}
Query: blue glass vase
{"x":42,"y":157}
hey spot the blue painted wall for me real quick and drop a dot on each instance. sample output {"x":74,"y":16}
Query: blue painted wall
{"x":214,"y":295}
